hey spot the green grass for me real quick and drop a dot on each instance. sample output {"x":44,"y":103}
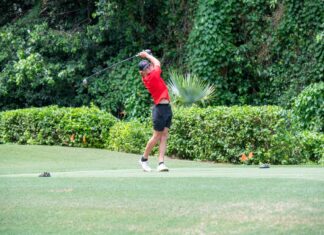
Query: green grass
{"x":95,"y":191}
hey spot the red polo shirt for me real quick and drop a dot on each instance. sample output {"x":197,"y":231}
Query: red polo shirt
{"x":156,"y":86}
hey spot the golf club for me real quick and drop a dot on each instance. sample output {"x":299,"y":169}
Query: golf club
{"x":85,"y":81}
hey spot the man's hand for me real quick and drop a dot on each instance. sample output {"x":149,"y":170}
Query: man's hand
{"x":143,"y":54}
{"x":151,"y":58}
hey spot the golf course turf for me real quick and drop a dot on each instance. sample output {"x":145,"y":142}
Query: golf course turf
{"x":95,"y":191}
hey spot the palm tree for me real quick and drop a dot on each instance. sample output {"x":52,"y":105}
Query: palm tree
{"x":189,"y":89}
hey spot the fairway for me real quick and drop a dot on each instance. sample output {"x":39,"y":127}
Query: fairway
{"x":95,"y":191}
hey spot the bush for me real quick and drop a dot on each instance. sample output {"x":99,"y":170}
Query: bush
{"x":86,"y":127}
{"x":129,"y":136}
{"x":309,"y":107}
{"x":219,"y":134}
{"x":36,"y":73}
{"x":312,"y":145}
{"x":223,"y":134}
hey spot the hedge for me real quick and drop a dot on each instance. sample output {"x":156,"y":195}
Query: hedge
{"x":225,"y":134}
{"x":219,"y":134}
{"x":312,"y":145}
{"x":130,"y":136}
{"x":81,"y":127}
{"x":308,"y":107}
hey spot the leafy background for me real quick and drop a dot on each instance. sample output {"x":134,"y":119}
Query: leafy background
{"x":253,"y":51}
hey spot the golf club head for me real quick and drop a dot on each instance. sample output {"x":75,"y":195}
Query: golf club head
{"x":85,"y":82}
{"x":148,"y":51}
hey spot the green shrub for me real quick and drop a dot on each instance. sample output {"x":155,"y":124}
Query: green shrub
{"x":285,"y":148}
{"x":129,"y":136}
{"x":309,"y":107}
{"x":188,"y":89}
{"x":223,"y":134}
{"x":86,"y":127}
{"x":312,"y":145}
{"x":220,"y":134}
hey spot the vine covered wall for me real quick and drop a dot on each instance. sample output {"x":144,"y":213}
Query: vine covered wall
{"x":253,"y":51}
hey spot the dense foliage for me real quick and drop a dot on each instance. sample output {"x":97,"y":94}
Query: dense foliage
{"x":11,"y":10}
{"x":221,"y":134}
{"x":130,"y":137}
{"x":186,"y":90}
{"x":84,"y":127}
{"x":258,"y":51}
{"x":309,"y":107}
{"x":224,"y":134}
{"x":312,"y":146}
{"x":252,"y":51}
{"x":47,"y":51}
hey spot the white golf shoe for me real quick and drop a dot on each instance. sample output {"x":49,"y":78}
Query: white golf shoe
{"x":162,"y":167}
{"x":145,"y":166}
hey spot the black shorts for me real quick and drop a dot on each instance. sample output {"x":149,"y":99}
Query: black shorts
{"x":162,"y":116}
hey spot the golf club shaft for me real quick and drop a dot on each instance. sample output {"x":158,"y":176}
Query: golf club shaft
{"x":85,"y":81}
{"x":111,"y":66}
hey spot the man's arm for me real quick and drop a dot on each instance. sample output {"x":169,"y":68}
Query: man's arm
{"x":151,"y":58}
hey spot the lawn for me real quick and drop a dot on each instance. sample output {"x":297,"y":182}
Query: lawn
{"x":95,"y":191}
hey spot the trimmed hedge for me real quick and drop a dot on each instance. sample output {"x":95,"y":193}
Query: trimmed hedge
{"x":129,"y":136}
{"x":223,"y":134}
{"x":81,"y":127}
{"x":312,"y":145}
{"x":219,"y":134}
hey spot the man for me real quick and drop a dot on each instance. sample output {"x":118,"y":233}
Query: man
{"x":150,"y":71}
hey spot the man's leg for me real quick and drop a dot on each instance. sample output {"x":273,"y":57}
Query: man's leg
{"x":152,"y":142}
{"x":163,"y":144}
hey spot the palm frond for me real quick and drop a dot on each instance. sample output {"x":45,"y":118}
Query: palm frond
{"x":189,"y":89}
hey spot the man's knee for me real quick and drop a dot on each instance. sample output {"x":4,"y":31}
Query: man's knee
{"x":165,"y":133}
{"x":157,"y":136}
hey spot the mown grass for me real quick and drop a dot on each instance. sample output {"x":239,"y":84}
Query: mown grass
{"x":95,"y":191}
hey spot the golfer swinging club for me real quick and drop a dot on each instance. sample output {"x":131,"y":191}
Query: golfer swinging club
{"x":162,"y":114}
